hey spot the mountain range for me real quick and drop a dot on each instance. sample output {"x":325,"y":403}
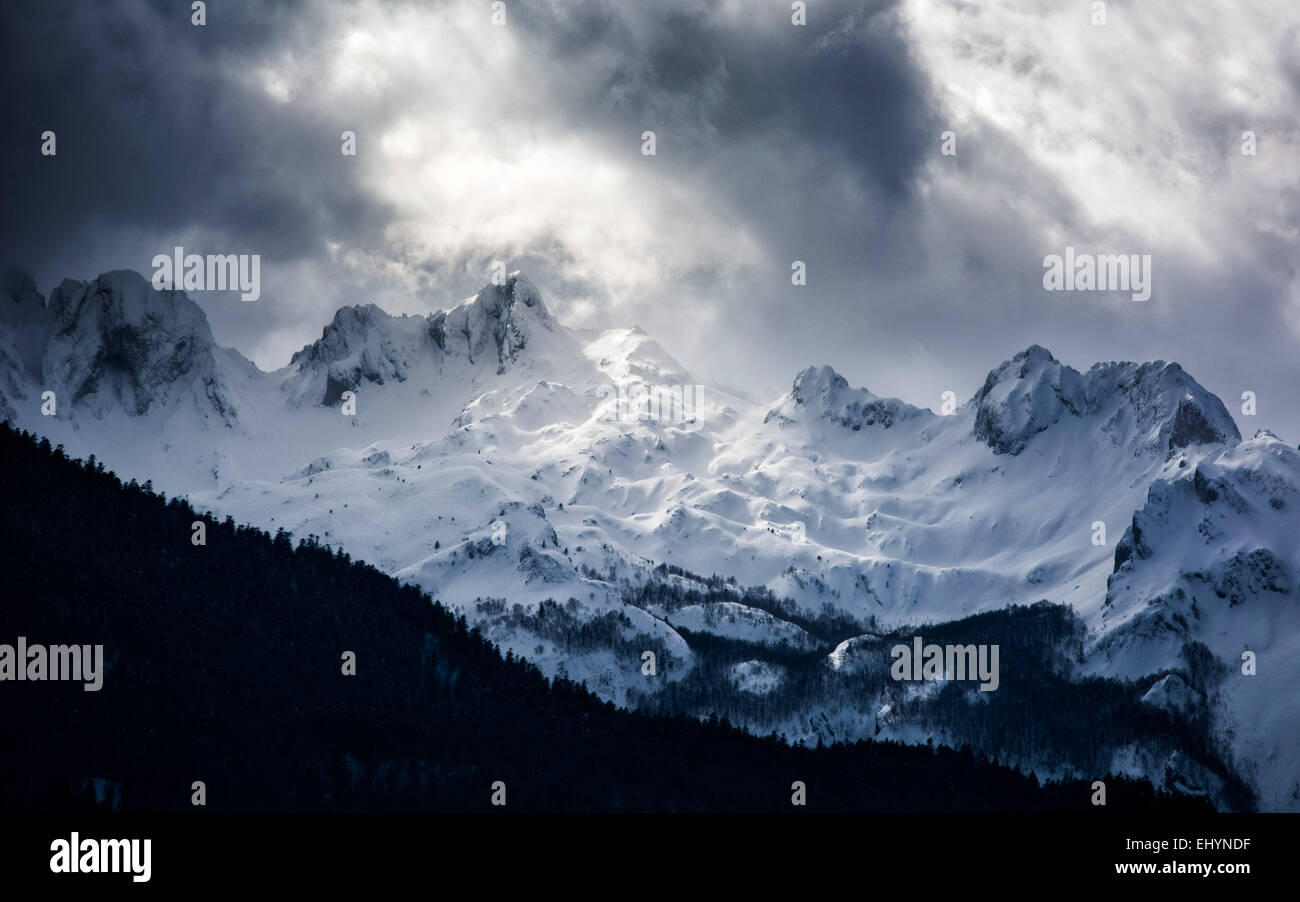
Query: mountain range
{"x":768,"y":554}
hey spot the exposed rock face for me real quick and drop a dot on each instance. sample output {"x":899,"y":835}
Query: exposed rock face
{"x":119,"y":344}
{"x":497,"y":323}
{"x":1171,"y":693}
{"x":27,"y":325}
{"x":1246,"y":575}
{"x":825,"y":394}
{"x":1023,"y":397}
{"x":1153,"y":406}
{"x":366,"y":345}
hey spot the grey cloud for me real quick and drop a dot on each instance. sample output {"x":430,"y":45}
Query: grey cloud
{"x":818,"y":144}
{"x":157,"y":137}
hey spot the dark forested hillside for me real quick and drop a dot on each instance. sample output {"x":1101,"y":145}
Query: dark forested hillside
{"x":224,"y":665}
{"x":1044,"y":713}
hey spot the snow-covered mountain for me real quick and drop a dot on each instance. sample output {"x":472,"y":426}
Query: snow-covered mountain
{"x":503,"y":461}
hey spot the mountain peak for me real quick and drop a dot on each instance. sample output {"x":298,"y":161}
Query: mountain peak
{"x":17,"y":287}
{"x":1168,"y":407}
{"x":116,"y":339}
{"x":25,"y":326}
{"x":516,"y":296}
{"x":364,"y":344}
{"x":521,"y":289}
{"x":828,"y":396}
{"x":816,"y":382}
{"x":29,"y":323}
{"x":1158,"y":405}
{"x":1034,"y":355}
{"x":1023,"y":396}
{"x":348,"y":328}
{"x":500,"y":320}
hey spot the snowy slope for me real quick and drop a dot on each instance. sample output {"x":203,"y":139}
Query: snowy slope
{"x":495,"y":454}
{"x":1211,"y":558}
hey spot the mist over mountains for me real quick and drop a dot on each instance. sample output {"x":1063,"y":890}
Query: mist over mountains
{"x":1109,"y":528}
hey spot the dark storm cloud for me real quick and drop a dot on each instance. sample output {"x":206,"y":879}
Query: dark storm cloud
{"x":775,"y":143}
{"x":812,"y":137}
{"x":845,"y":84}
{"x":162,"y":129}
{"x":157,"y":132}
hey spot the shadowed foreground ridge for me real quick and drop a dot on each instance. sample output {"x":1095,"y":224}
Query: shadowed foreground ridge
{"x":223,"y":665}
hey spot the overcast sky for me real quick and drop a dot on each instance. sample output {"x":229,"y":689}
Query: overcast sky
{"x":775,"y":142}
